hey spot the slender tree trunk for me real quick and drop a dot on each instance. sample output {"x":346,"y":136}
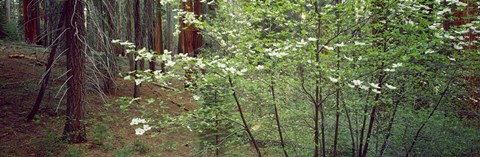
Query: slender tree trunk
{"x":377,"y":10}
{"x":442,"y":95}
{"x":7,"y":10}
{"x":277,"y":118}
{"x":74,"y":131}
{"x":389,"y":129}
{"x":138,"y":41}
{"x":169,"y":28}
{"x":48,"y":70}
{"x":129,"y":34}
{"x":181,"y":44}
{"x":37,"y":18}
{"x":318,"y":106}
{"x":244,"y":121}
{"x":337,"y":108}
{"x":362,"y":130}
{"x":373,"y":113}
{"x":111,"y":69}
{"x":350,"y":127}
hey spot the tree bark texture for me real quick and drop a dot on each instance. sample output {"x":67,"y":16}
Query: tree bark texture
{"x":158,"y":42}
{"x":190,"y":40}
{"x":31,"y":20}
{"x":138,"y":40}
{"x":48,"y":70}
{"x":74,"y":131}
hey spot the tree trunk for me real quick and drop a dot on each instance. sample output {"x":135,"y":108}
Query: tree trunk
{"x":74,"y":131}
{"x":197,"y":37}
{"x":138,"y":41}
{"x":48,"y":70}
{"x":37,"y":18}
{"x":190,"y":40}
{"x":277,"y":118}
{"x":169,"y":28}
{"x":7,"y":10}
{"x":337,"y":108}
{"x":158,"y":35}
{"x":111,"y":67}
{"x":244,"y":121}
{"x":181,"y":39}
{"x":129,"y":35}
{"x":30,"y":17}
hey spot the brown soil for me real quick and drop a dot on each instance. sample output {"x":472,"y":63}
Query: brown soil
{"x":19,"y":79}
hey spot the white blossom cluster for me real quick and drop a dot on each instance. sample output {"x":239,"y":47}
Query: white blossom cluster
{"x":143,"y":129}
{"x":375,"y":87}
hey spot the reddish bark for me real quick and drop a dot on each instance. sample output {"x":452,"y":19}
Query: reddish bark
{"x":31,"y":20}
{"x":462,"y":17}
{"x":158,"y":39}
{"x":74,"y":131}
{"x":190,"y":41}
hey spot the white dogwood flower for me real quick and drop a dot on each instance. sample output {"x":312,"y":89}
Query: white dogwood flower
{"x":357,"y":82}
{"x":334,"y":80}
{"x":396,"y":65}
{"x":139,"y":131}
{"x":136,"y":121}
{"x":390,"y":87}
{"x":259,"y":67}
{"x":374,"y":85}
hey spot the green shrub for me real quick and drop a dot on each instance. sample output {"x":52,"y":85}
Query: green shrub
{"x":101,"y":134}
{"x":49,"y":145}
{"x":11,"y":30}
{"x":74,"y":152}
{"x":123,"y":152}
{"x":140,"y":147}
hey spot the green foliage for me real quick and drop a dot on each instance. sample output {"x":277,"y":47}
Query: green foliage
{"x":102,"y":136}
{"x":74,"y":152}
{"x":49,"y":145}
{"x":124,"y":152}
{"x":140,"y":147}
{"x":170,"y":146}
{"x":11,"y":30}
{"x":352,"y":58}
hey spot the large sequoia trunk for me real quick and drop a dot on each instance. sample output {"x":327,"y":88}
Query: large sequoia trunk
{"x":190,"y":40}
{"x":463,"y":17}
{"x":31,"y":20}
{"x":74,"y":131}
{"x":158,"y":43}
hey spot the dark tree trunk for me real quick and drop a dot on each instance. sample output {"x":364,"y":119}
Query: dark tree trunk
{"x":277,"y":118}
{"x":337,"y":108}
{"x":244,"y":121}
{"x":74,"y":131}
{"x":48,"y":70}
{"x":138,"y":41}
{"x":111,"y":67}
{"x":129,"y":35}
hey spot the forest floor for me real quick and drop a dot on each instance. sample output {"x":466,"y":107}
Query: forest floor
{"x":108,"y":127}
